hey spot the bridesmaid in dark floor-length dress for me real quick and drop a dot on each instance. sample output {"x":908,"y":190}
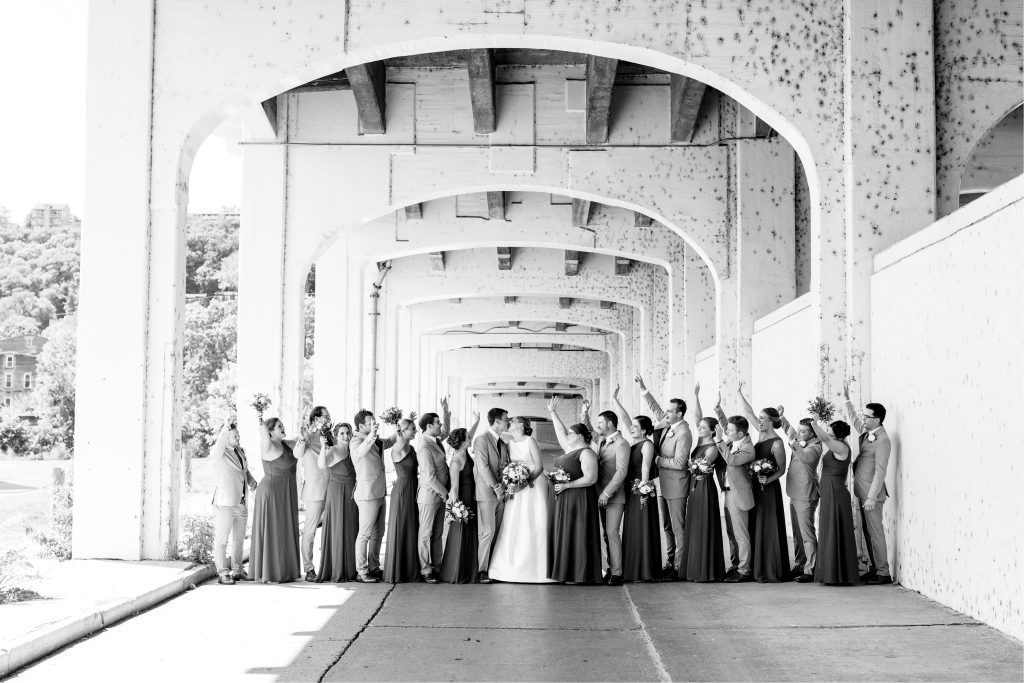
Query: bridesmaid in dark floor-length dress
{"x":459,"y":563}
{"x":837,"y":546}
{"x":274,"y":553}
{"x":401,"y":559}
{"x":703,"y":557}
{"x":768,"y":539}
{"x":341,"y":514}
{"x":641,"y":528}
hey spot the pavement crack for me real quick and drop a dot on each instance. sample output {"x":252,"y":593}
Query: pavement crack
{"x":358,"y":633}
{"x":652,"y":651}
{"x":510,"y":628}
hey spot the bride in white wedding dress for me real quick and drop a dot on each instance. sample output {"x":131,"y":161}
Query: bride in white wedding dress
{"x":520,"y":552}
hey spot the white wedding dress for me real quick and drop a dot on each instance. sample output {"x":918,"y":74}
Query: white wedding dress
{"x":520,"y":553}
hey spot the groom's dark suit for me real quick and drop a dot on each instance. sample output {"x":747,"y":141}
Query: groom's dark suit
{"x":490,"y":455}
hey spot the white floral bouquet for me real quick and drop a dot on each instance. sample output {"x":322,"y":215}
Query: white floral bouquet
{"x":822,"y":409}
{"x":645,"y":489}
{"x":320,"y":425}
{"x":260,"y":402}
{"x":764,"y":467}
{"x":393,"y":414}
{"x":560,"y":476}
{"x":515,"y":477}
{"x":700,"y":468}
{"x":458,"y":512}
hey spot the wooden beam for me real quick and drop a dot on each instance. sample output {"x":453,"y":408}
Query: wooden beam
{"x":335,"y":81}
{"x":522,"y":394}
{"x":580,"y":213}
{"x":564,"y":302}
{"x":505,"y":258}
{"x":607,"y":304}
{"x":414,"y":212}
{"x":510,"y":299}
{"x":685,"y":95}
{"x":520,"y":384}
{"x":517,"y":345}
{"x":641,"y":220}
{"x":369,"y":86}
{"x":561,"y":327}
{"x":572,"y":262}
{"x":550,"y":385}
{"x":513,"y":323}
{"x":622,"y":265}
{"x":762,"y":129}
{"x":556,"y":347}
{"x":455,"y":300}
{"x":437,"y":261}
{"x":496,"y":205}
{"x":600,"y":81}
{"x":480,"y":64}
{"x":270,"y":109}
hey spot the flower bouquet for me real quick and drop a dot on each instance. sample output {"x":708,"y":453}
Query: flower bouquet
{"x":560,"y":476}
{"x":764,"y":467}
{"x":458,"y":512}
{"x":321,"y":425}
{"x":699,"y":468}
{"x":645,"y":489}
{"x":260,"y":402}
{"x":515,"y":477}
{"x":391,"y":416}
{"x":822,"y":409}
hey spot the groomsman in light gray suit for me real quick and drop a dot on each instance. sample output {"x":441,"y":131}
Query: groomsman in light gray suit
{"x":490,"y":455}
{"x":802,"y":489}
{"x":366,"y":449}
{"x":738,"y":452}
{"x":869,"y":470}
{"x":230,"y":497}
{"x":433,"y":489}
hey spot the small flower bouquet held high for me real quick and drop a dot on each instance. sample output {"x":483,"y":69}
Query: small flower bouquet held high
{"x":458,"y":512}
{"x":260,"y":402}
{"x":515,"y":477}
{"x":764,"y":467}
{"x":645,"y":489}
{"x":320,"y":425}
{"x":699,"y":468}
{"x":560,"y":476}
{"x":822,"y":409}
{"x":391,"y":416}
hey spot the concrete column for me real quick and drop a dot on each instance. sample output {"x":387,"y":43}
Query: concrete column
{"x":334,"y":333}
{"x":680,"y":362}
{"x":699,"y":314}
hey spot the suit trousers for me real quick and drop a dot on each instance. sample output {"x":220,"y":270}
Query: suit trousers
{"x":229,"y":519}
{"x":734,"y":555}
{"x":874,"y":537}
{"x":314,"y":511}
{"x":740,"y":524}
{"x":611,"y":520}
{"x":805,"y":539}
{"x":489,"y":513}
{"x":673,"y":519}
{"x":371,"y":533}
{"x":428,"y":543}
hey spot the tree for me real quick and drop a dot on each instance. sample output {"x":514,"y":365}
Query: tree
{"x":25,"y":304}
{"x":54,"y":394}
{"x":17,"y":325}
{"x":210,"y":345}
{"x":210,"y":241}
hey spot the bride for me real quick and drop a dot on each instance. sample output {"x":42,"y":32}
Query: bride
{"x":520,"y":552}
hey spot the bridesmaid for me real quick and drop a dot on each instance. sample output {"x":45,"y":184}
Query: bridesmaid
{"x":576,"y":529}
{"x":768,"y":539}
{"x":402,"y":559}
{"x":703,"y":556}
{"x":641,"y":528}
{"x":274,"y":554}
{"x":341,"y":515}
{"x":837,"y":547}
{"x":459,"y":562}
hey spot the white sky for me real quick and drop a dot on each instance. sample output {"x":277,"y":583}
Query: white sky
{"x":42,"y":115}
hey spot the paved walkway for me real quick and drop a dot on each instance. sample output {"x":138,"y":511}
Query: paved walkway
{"x":645,"y":632}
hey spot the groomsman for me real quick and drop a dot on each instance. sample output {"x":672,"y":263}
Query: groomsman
{"x":490,"y":455}
{"x":869,"y":470}
{"x":738,"y":452}
{"x":613,"y":460}
{"x":314,"y":495}
{"x":434,"y":481}
{"x":366,"y":449}
{"x":672,"y":443}
{"x":230,"y":497}
{"x":802,"y":489}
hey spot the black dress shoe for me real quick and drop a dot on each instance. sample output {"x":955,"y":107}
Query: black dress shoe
{"x":670,"y":576}
{"x":795,"y":572}
{"x":868,"y":575}
{"x":666,"y":570}
{"x":311,"y":576}
{"x":483,"y":578}
{"x":377,"y":573}
{"x":739,"y":578}
{"x":732,"y":571}
{"x":606,"y":577}
{"x":879,"y":580}
{"x":804,"y":578}
{"x":367,"y":578}
{"x":226,"y":580}
{"x":431,"y":578}
{"x":615,"y":580}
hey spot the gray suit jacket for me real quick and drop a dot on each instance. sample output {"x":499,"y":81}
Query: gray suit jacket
{"x":613,"y":461}
{"x":802,"y":475}
{"x":871,"y":464}
{"x":314,"y":479}
{"x":673,"y":458}
{"x":737,"y":476}
{"x":370,"y":482}
{"x":490,"y":455}
{"x":433,"y":471}
{"x":231,"y":473}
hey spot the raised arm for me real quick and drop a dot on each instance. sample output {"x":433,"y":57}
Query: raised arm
{"x":473,"y":425}
{"x":264,"y":439}
{"x":719,"y":413}
{"x":446,"y":417}
{"x":652,"y":402}
{"x":748,"y":412}
{"x":851,"y":410}
{"x":741,"y":457}
{"x":621,"y":411}
{"x":560,"y":431}
{"x":698,"y":412}
{"x":585,"y":414}
{"x":839,"y":449}
{"x":220,"y":445}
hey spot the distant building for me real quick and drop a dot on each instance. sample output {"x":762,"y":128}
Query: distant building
{"x":18,"y":359}
{"x":50,"y":215}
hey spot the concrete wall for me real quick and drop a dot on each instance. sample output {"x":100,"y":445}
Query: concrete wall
{"x":948,"y":321}
{"x":784,"y":360}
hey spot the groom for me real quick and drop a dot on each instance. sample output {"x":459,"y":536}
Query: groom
{"x":490,"y":455}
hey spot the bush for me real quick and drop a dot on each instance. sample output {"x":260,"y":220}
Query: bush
{"x":195,"y":540}
{"x":14,"y":437}
{"x":15,"y":569}
{"x":56,"y":542}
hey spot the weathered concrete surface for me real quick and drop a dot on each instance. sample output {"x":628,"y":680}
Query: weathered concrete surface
{"x":517,"y":632}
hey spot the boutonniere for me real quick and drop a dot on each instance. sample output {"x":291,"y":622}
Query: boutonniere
{"x":871,"y":438}
{"x":803,"y":444}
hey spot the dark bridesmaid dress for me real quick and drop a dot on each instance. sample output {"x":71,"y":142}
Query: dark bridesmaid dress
{"x":837,"y":546}
{"x":575,"y":555}
{"x":401,"y":559}
{"x":459,"y":563}
{"x":341,"y":525}
{"x":641,"y":529}
{"x":274,"y":554}
{"x":770,"y":544}
{"x":703,"y":556}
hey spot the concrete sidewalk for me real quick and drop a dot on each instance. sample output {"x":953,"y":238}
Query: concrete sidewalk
{"x":677,"y":631}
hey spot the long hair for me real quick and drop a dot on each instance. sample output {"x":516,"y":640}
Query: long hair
{"x":773,"y":414}
{"x":457,"y":439}
{"x":584,"y":431}
{"x":527,"y":427}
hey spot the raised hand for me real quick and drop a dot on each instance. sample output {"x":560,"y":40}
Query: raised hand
{"x":846,"y":390}
{"x":782,"y":410}
{"x":615,"y":394}
{"x":696,"y":389}
{"x":552,"y":403}
{"x":640,"y":380}
{"x":475,"y":415}
{"x":739,"y":387}
{"x":719,"y":432}
{"x":718,"y":401}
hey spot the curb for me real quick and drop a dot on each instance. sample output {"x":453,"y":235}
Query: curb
{"x":50,"y":639}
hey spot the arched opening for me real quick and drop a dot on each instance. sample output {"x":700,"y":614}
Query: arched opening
{"x":997,"y":158}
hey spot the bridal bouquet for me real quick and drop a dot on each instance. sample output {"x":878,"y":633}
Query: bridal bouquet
{"x":764,"y":467}
{"x":560,"y":476}
{"x":391,"y":416}
{"x":645,"y":489}
{"x":458,"y":512}
{"x":822,"y":409}
{"x":260,"y":402}
{"x":320,"y":425}
{"x":699,"y":468}
{"x":515,"y":477}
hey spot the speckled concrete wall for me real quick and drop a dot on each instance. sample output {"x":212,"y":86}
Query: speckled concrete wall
{"x":948,"y":322}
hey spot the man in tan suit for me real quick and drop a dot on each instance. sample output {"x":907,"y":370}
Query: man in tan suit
{"x":802,"y":489}
{"x":613,"y":461}
{"x":869,"y":470}
{"x":672,"y":443}
{"x":230,"y":497}
{"x":738,"y":452}
{"x":314,"y":487}
{"x":366,"y":449}
{"x":434,"y":482}
{"x":490,"y":455}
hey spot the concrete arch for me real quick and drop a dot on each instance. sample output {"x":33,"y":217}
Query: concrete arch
{"x":983,"y":138}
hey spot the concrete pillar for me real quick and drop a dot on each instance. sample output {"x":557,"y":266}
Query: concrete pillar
{"x":699,"y":307}
{"x":335,"y":325}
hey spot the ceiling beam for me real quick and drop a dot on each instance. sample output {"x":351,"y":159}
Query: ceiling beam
{"x":520,"y":384}
{"x":622,"y":265}
{"x":607,"y":304}
{"x":505,"y":259}
{"x":510,"y":299}
{"x":335,"y":81}
{"x":642,"y":220}
{"x":369,"y":85}
{"x":480,"y":64}
{"x":414,"y":212}
{"x":496,"y":205}
{"x":550,"y":385}
{"x":572,"y":262}
{"x":455,"y":300}
{"x":685,"y":95}
{"x":600,"y":81}
{"x":437,"y":261}
{"x":561,"y":327}
{"x":556,"y":347}
{"x":564,"y":302}
{"x":270,"y":110}
{"x":580,"y":213}
{"x":517,"y":346}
